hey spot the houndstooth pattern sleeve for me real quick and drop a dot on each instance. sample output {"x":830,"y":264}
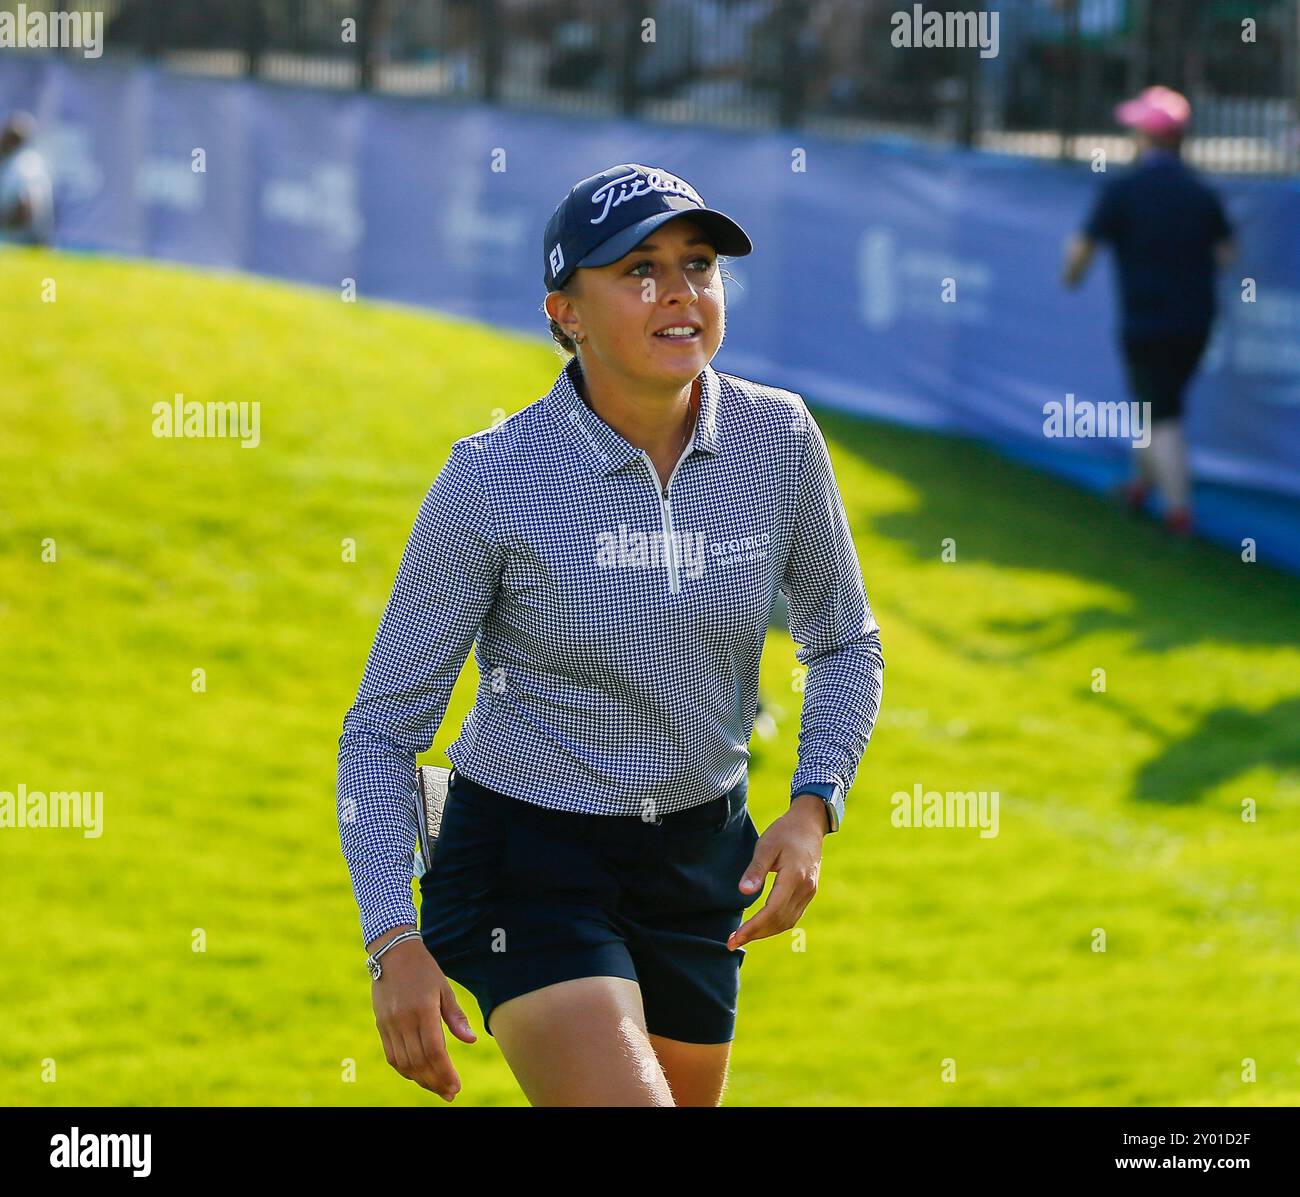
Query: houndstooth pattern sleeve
{"x":446,"y":583}
{"x":832,"y":623}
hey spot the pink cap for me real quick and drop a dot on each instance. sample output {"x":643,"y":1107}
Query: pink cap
{"x":1159,"y":111}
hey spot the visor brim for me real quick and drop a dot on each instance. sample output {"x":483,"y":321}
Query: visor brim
{"x":727,"y":236}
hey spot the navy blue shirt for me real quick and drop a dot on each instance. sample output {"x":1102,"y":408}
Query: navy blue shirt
{"x":1163,"y":223}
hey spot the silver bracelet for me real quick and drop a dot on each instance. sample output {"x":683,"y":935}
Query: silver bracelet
{"x":372,"y":962}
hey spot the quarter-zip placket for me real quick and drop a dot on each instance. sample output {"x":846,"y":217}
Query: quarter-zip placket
{"x":666,"y":513}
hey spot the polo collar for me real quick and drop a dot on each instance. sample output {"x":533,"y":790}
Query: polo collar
{"x":607,"y":449}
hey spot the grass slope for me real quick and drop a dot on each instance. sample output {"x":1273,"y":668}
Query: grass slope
{"x":1120,"y":810}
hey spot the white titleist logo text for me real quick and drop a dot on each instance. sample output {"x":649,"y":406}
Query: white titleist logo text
{"x":617,"y":191}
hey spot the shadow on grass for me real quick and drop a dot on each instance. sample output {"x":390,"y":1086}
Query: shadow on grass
{"x":1170,"y":595}
{"x":1227,"y":741}
{"x":1008,"y":515}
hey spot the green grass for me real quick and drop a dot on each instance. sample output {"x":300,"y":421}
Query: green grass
{"x":1119,"y":810}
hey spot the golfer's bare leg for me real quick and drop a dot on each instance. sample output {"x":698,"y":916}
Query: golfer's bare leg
{"x":696,"y":1072}
{"x":581,"y":1043}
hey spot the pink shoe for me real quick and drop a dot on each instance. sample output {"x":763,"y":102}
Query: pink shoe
{"x":1133,"y":495}
{"x":1179,"y":523}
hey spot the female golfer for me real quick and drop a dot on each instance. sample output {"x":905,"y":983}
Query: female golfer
{"x":612,"y":552}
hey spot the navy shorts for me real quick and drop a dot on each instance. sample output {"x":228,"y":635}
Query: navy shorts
{"x":1160,"y":368}
{"x":519,"y":896}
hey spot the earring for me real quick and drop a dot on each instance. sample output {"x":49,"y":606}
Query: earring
{"x":577,"y":340}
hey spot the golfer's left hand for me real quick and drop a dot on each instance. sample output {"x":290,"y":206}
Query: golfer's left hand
{"x":792,"y":849}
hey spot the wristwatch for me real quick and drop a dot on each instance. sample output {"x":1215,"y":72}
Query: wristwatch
{"x":832,"y":794}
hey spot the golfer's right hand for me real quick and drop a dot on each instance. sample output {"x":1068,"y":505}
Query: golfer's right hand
{"x":411,"y":1000}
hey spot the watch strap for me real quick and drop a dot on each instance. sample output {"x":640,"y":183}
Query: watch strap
{"x":832,"y":795}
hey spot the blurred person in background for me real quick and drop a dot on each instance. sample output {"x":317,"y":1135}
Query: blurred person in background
{"x":460,"y":42}
{"x":1169,"y":232}
{"x":999,"y":73}
{"x":26,"y":194}
{"x":579,"y":37}
{"x":838,"y":51}
{"x":722,"y":42}
{"x":666,"y":64}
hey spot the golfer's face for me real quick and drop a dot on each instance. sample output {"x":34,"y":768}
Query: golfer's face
{"x":670,"y":278}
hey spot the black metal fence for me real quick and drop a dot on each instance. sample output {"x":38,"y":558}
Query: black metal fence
{"x":1045,"y":79}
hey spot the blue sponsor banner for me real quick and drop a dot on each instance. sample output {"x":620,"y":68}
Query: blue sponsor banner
{"x":909,"y":284}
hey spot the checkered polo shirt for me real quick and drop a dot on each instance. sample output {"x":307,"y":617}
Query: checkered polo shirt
{"x":617,"y":624}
